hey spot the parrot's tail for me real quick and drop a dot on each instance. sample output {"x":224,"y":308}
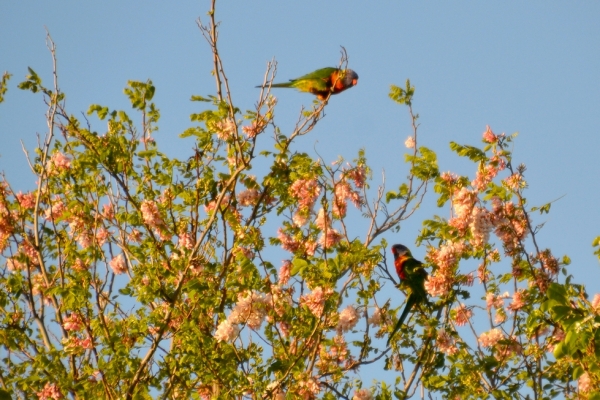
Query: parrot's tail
{"x":278,"y":85}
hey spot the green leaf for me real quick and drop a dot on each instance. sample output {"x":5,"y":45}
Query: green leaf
{"x":299,"y":266}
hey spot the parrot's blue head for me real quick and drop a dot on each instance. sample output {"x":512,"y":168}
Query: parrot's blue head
{"x":350,"y":78}
{"x":399,"y":250}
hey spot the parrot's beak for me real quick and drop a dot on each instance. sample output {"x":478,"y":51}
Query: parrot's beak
{"x":354,"y":82}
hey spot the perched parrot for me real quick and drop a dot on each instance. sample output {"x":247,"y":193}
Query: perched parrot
{"x":322,"y":82}
{"x":412,"y":279}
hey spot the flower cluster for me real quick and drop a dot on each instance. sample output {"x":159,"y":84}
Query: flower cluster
{"x":315,"y":301}
{"x":348,"y":319}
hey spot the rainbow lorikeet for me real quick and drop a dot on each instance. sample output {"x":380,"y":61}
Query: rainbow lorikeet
{"x":322,"y":82}
{"x":412,"y":279}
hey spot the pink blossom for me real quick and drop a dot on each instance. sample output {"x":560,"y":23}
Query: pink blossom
{"x":248,"y":197}
{"x":287,"y":241}
{"x":596,"y":303}
{"x":284,"y":328}
{"x":376,"y":318}
{"x":225,"y":128}
{"x":50,"y":392}
{"x":480,"y":226}
{"x":186,"y":241}
{"x":437,"y":285}
{"x":26,"y":200}
{"x":253,"y":130}
{"x":118,"y":265}
{"x":329,"y":238}
{"x":362,"y":394}
{"x":151,"y":215}
{"x":108,"y":211}
{"x":489,"y":339}
{"x":518,"y":301}
{"x":102,"y":235}
{"x":348,"y":319}
{"x":514,"y":182}
{"x":584,"y":383}
{"x":60,"y":161}
{"x":135,"y":236}
{"x":463,"y":315}
{"x":310,"y":246}
{"x":300,"y":218}
{"x":358,"y":175}
{"x":73,"y":323}
{"x":484,"y":176}
{"x":315,"y":301}
{"x":305,"y":191}
{"x":322,"y":221}
{"x":14,"y":265}
{"x":489,"y":136}
{"x":55,"y":211}
{"x":250,"y":309}
{"x":493,"y":300}
{"x":446,"y":343}
{"x":226,"y":331}
{"x":410,"y":142}
{"x":309,"y":388}
{"x":284,"y":272}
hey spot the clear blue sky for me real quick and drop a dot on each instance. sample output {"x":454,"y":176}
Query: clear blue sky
{"x":531,"y":67}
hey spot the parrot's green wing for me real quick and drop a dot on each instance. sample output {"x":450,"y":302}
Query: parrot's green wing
{"x":414,"y":283}
{"x":316,"y":81}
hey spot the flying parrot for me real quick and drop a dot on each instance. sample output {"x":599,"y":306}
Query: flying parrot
{"x":412,"y":279}
{"x":322,"y":82}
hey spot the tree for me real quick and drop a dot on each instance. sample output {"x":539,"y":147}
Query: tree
{"x":129,"y":274}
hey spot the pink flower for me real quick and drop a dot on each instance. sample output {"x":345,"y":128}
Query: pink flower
{"x":226,"y":332}
{"x":287,"y":241}
{"x":248,"y":197}
{"x":50,"y":392}
{"x":102,"y":235}
{"x":72,"y":323}
{"x":596,"y":303}
{"x":518,"y":301}
{"x":151,"y":215}
{"x":305,"y":191}
{"x":284,"y":272}
{"x":489,"y":136}
{"x":489,"y":339}
{"x":253,"y":130}
{"x":55,"y":211}
{"x":437,"y":285}
{"x":330,"y":238}
{"x":362,"y":394}
{"x":250,"y":309}
{"x":446,"y":343}
{"x":358,"y":175}
{"x":322,"y":221}
{"x":309,"y":388}
{"x":348,"y":319}
{"x":315,"y":301}
{"x":108,"y":211}
{"x":60,"y":161}
{"x":480,"y":226}
{"x":376,"y":318}
{"x":410,"y":142}
{"x":186,"y":241}
{"x":118,"y":265}
{"x":514,"y":182}
{"x":463,"y":315}
{"x":26,"y":200}
{"x":14,"y":265}
{"x":225,"y":128}
{"x":492,"y":300}
{"x":584,"y":383}
{"x":300,"y":218}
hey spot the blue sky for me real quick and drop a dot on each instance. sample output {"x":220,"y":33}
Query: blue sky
{"x":531,"y":67}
